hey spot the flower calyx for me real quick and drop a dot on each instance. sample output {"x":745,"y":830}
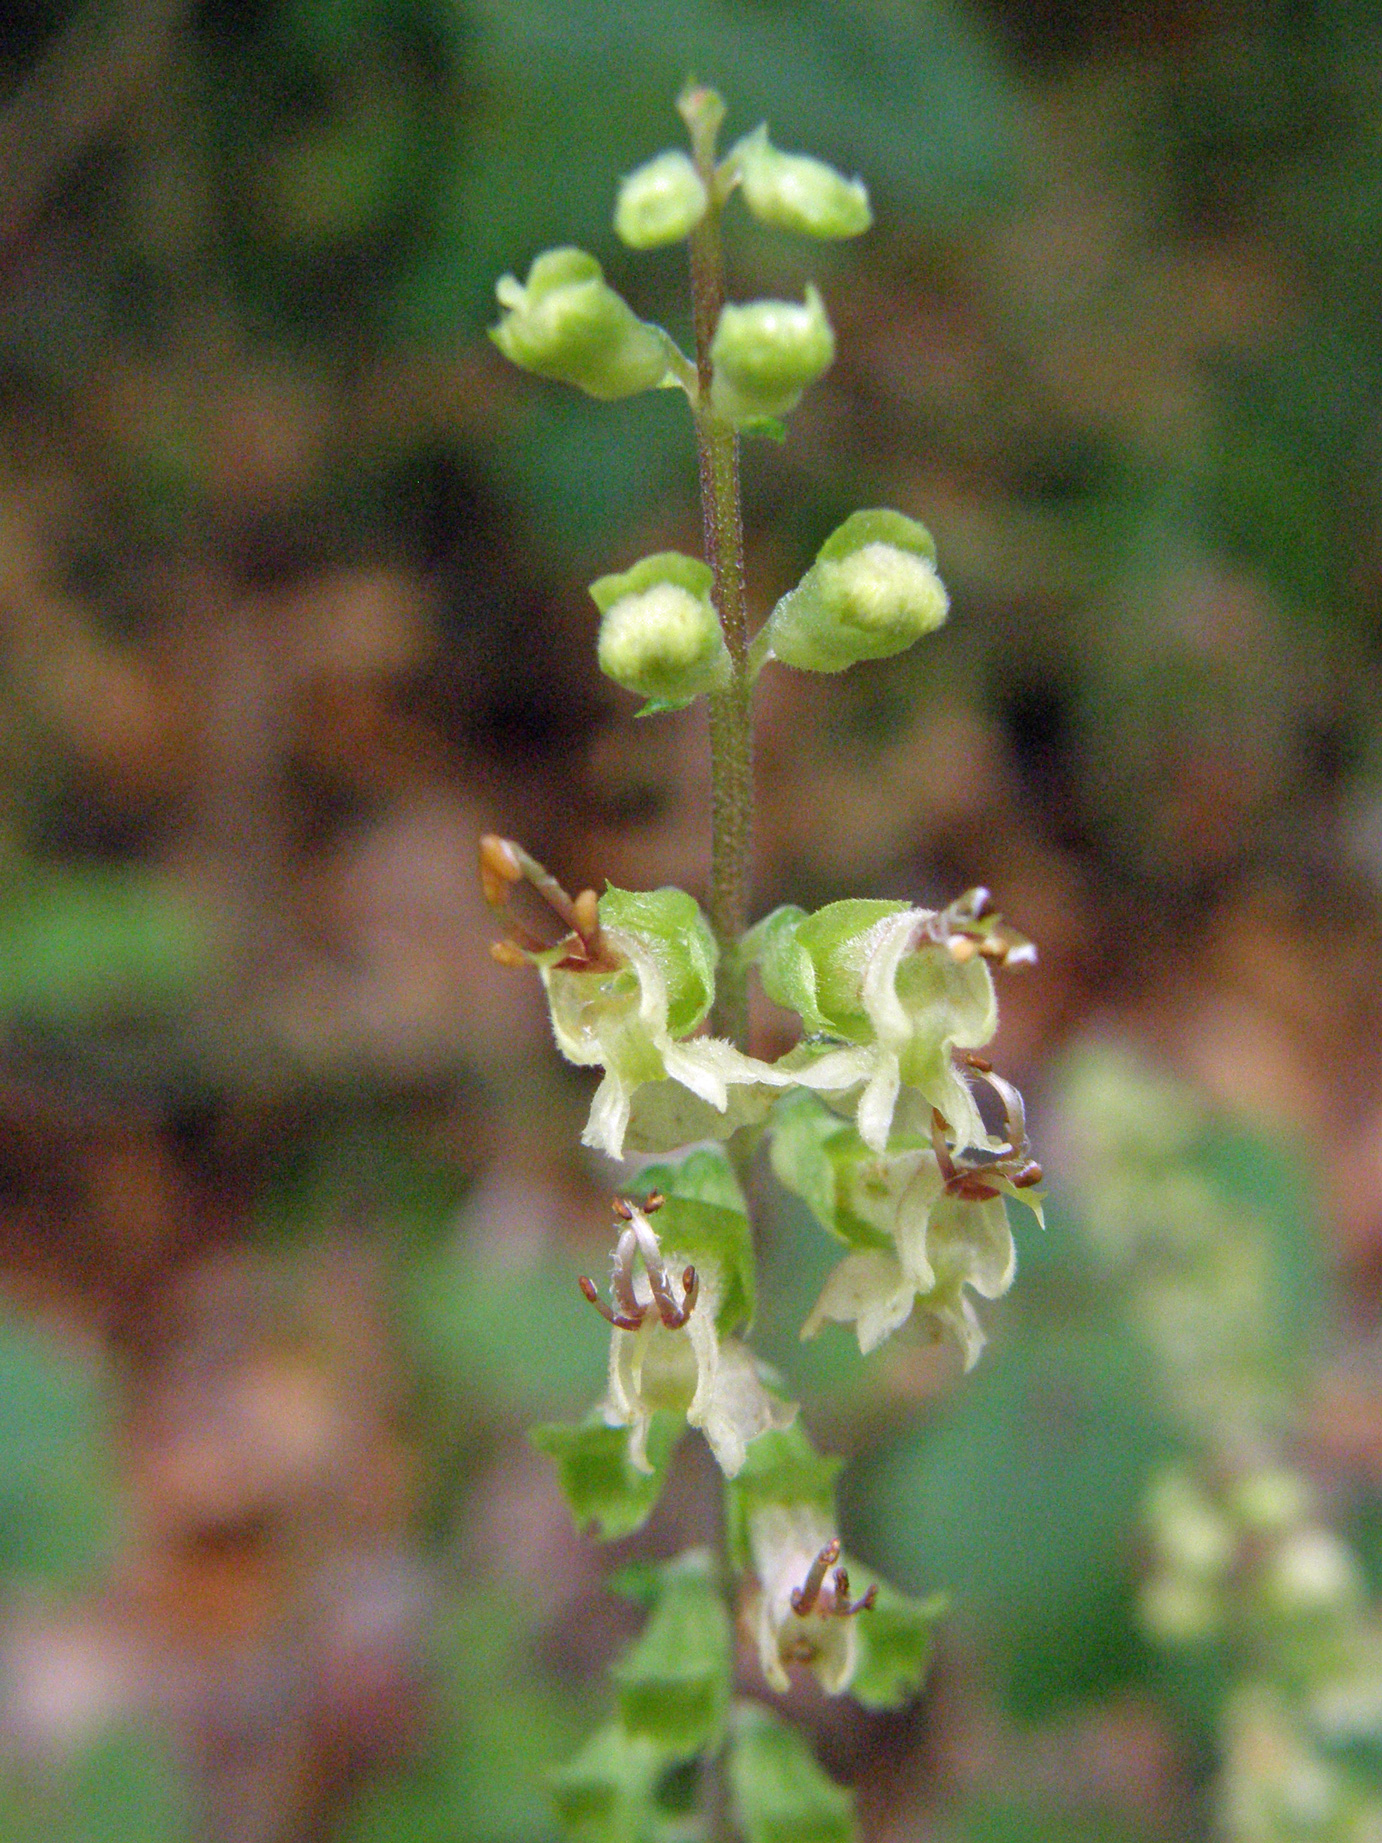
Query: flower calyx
{"x":659,"y":633}
{"x":638,"y":1239}
{"x":796,"y":191}
{"x":765,"y":354}
{"x":660,"y":202}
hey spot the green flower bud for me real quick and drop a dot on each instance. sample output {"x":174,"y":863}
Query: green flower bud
{"x":765,"y":354}
{"x":567,"y":323}
{"x":661,"y":202}
{"x":659,"y":633}
{"x":871,"y":592}
{"x":798,"y":193}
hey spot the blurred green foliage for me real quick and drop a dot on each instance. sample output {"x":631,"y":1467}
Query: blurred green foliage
{"x":58,"y":1509}
{"x":502,"y":1724}
{"x":124,"y":1787}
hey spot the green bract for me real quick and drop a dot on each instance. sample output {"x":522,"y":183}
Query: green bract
{"x":660,"y":202}
{"x":765,"y":354}
{"x":673,"y":1682}
{"x":659,"y":632}
{"x":871,"y":592}
{"x":567,"y":323}
{"x":780,"y":1794}
{"x":798,"y":193}
{"x":603,"y":1488}
{"x":606,"y":1794}
{"x":895,"y":1645}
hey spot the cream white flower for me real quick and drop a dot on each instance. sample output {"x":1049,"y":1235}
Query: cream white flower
{"x":668,"y":1355}
{"x":943,"y":1246}
{"x":619,"y":1022}
{"x":802,"y":1615}
{"x":906,"y":989}
{"x":923,"y":1004}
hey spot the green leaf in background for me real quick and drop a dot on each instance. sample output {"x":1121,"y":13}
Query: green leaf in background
{"x":123,"y":1787}
{"x":1270,"y":1180}
{"x":360,"y":1160}
{"x":780,"y":1793}
{"x":605,"y":1795}
{"x":673,"y":1682}
{"x":983,"y":1822}
{"x":1024,"y":1503}
{"x":602,"y":1487}
{"x":502,"y":1722}
{"x":57,"y":1503}
{"x":82,"y":949}
{"x":502,"y":1342}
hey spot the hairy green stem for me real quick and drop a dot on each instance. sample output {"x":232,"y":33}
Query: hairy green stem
{"x":731,"y":719}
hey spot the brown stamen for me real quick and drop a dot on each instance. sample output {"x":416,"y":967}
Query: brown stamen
{"x":674,"y":1316}
{"x":586,"y":911}
{"x":620,"y":1320}
{"x":804,"y":1597}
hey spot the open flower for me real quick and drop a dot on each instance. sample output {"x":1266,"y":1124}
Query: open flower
{"x":928,"y":1224}
{"x":910,"y":987}
{"x":666,"y":1351}
{"x":955,"y":1247}
{"x":804,"y":1614}
{"x":633,"y":976}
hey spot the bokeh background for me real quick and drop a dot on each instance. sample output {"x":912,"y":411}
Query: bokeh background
{"x":292,"y":607}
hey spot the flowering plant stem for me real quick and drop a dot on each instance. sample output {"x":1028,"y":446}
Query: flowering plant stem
{"x":731,"y":715}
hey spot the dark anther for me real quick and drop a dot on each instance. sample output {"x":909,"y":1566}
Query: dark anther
{"x":842,"y":1607}
{"x":622,"y":1209}
{"x":674,"y":1316}
{"x":653,"y":1202}
{"x":503,"y":865}
{"x":622,"y":1321}
{"x":804,"y":1597}
{"x":976,"y":1173}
